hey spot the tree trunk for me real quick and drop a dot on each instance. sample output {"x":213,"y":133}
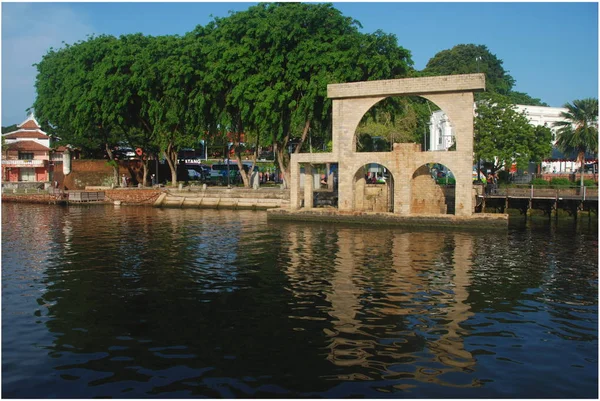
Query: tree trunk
{"x":113,"y":163}
{"x":303,"y":138}
{"x":281,"y":160}
{"x":582,"y":169}
{"x":172,"y":162}
{"x":145,"y":162}
{"x":236,"y":150}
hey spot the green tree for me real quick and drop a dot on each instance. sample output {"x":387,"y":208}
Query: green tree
{"x":71,"y":102}
{"x":504,"y":136}
{"x":393,"y":119}
{"x":166,"y":77}
{"x":578,"y":132}
{"x":524,"y":98}
{"x":270,"y":66}
{"x":10,"y":128}
{"x":469,"y":59}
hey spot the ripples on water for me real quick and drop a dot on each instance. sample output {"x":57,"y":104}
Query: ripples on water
{"x":139,"y":302}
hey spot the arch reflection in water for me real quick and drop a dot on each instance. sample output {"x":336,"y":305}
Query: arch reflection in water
{"x":395,"y":305}
{"x":141,"y":302}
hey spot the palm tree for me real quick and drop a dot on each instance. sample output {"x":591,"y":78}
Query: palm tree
{"x":578,"y":132}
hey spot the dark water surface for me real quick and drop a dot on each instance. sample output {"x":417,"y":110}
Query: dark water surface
{"x":139,"y":302}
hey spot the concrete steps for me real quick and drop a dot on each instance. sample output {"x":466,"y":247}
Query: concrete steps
{"x":220,"y":201}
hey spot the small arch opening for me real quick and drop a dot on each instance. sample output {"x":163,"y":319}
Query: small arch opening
{"x":373,"y":189}
{"x":433,"y":189}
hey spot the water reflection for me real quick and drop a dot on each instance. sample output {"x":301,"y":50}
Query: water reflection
{"x":387,"y":301}
{"x":140,"y":302}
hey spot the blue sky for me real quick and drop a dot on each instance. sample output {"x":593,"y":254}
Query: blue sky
{"x":551,"y":49}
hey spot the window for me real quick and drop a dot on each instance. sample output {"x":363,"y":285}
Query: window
{"x":25,"y":156}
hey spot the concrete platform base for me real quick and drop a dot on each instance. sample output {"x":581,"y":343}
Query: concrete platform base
{"x":478,"y":221}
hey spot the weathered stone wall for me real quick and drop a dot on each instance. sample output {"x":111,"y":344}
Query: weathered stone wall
{"x":453,"y":94}
{"x":428,"y":197}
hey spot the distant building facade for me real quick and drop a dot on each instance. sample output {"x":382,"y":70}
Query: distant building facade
{"x":441,"y":134}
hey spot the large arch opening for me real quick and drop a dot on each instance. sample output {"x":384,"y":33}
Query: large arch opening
{"x":433,"y":189}
{"x":404,"y":119}
{"x":324,"y":178}
{"x":373,"y":188}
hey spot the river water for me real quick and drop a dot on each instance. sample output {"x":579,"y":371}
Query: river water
{"x":124,"y":302}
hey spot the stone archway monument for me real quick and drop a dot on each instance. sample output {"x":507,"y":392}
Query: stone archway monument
{"x":452,"y":93}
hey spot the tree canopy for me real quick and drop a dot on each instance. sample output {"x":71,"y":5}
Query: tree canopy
{"x":258,"y":75}
{"x":578,"y":132}
{"x":469,"y":59}
{"x":504,"y":136}
{"x":262,"y":72}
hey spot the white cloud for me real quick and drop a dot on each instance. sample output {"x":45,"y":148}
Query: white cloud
{"x":29,"y":30}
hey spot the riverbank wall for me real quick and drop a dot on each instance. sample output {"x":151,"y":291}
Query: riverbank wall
{"x":224,"y":198}
{"x":197,"y":197}
{"x":127,"y":196}
{"x":477,"y":221}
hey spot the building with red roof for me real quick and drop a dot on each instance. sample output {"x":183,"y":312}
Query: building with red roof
{"x":27,"y":155}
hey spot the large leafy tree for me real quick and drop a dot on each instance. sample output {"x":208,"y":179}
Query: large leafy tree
{"x":578,"y":132}
{"x":469,"y":59}
{"x":272,"y":64}
{"x":504,"y":136}
{"x":71,"y":100}
{"x":169,"y":74}
{"x":263,"y":72}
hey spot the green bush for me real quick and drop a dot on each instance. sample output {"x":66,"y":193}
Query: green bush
{"x":539,"y":182}
{"x":589,"y":183}
{"x":444,"y":181}
{"x":561,"y":182}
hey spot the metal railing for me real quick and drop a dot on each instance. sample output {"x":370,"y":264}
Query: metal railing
{"x":533,"y":192}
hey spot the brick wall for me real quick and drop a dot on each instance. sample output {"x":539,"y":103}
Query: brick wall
{"x":96,"y":173}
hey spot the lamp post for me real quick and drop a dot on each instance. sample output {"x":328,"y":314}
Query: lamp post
{"x":228,"y":176}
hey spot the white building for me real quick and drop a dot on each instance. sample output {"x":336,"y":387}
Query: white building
{"x":441,"y":132}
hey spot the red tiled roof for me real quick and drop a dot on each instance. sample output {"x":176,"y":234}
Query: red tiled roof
{"x":30,"y":124}
{"x":26,"y":146}
{"x":38,"y":134}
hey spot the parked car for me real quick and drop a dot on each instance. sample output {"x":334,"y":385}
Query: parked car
{"x":194,"y":175}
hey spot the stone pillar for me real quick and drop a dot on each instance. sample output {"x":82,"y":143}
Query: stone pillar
{"x":345,"y":184}
{"x":459,"y":109}
{"x":295,"y":183}
{"x":359,"y":189}
{"x":308,"y":186}
{"x":329,"y":176}
{"x":66,"y":162}
{"x":402,"y":194}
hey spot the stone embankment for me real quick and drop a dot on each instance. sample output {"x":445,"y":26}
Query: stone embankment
{"x":210,"y":197}
{"x":225,"y":198}
{"x":476,"y":221}
{"x":127,"y":196}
